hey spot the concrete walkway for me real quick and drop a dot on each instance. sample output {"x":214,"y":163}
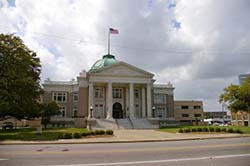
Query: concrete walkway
{"x":121,"y":136}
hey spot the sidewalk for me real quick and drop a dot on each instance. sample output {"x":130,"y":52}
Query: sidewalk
{"x":125,"y":136}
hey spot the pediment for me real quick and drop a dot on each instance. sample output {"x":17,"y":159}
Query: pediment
{"x":122,"y":69}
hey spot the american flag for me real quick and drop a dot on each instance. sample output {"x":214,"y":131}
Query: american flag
{"x":113,"y":31}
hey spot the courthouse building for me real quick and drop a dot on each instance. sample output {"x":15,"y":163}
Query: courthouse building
{"x":113,"y":94}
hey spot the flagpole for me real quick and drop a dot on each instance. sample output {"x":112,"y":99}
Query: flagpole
{"x":108,"y":41}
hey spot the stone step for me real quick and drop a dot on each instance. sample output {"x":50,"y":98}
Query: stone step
{"x":105,"y":124}
{"x":143,"y":124}
{"x":124,"y":124}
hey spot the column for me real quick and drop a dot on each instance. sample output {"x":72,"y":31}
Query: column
{"x":126,"y":108}
{"x":109,"y":101}
{"x":236,"y":118}
{"x":149,"y":101}
{"x":143,"y":102}
{"x":131,"y":101}
{"x":242,"y":119}
{"x":91,"y":87}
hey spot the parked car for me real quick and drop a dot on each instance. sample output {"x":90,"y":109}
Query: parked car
{"x":7,"y":125}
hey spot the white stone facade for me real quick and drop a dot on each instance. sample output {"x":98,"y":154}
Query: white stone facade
{"x":116,"y":91}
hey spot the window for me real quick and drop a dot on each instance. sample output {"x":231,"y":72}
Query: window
{"x":185,"y":115}
{"x":160,"y":112}
{"x":117,"y":93}
{"x":197,"y":107}
{"x":185,"y":121}
{"x":60,"y":96}
{"x":75,"y":111}
{"x":160,"y":99}
{"x":245,"y":116}
{"x":184,"y":107}
{"x":63,"y":111}
{"x":98,"y":92}
{"x":98,"y":112}
{"x":137,"y":110}
{"x":239,"y":117}
{"x":136,"y":93}
{"x":197,"y":115}
{"x":233,"y":117}
{"x":75,"y":97}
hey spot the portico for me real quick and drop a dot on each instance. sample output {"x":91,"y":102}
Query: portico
{"x":120,"y":99}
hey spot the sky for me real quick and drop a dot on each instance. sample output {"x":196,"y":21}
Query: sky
{"x":200,"y":46}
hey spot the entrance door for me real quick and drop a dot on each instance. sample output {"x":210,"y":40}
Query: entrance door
{"x":117,"y":111}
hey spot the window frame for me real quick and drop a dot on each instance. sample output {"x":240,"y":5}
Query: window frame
{"x":184,"y":107}
{"x":63,"y":110}
{"x":197,"y":107}
{"x":75,"y":97}
{"x":137,"y":93}
{"x":160,"y":98}
{"x":59,"y":97}
{"x":117,"y":93}
{"x":99,"y":92}
{"x":182,"y":115}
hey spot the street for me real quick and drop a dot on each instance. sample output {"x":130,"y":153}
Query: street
{"x":222,"y":152}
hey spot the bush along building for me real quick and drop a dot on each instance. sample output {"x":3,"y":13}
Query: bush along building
{"x":114,"y":95}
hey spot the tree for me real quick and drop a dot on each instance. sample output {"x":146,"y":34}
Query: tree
{"x":49,"y":110}
{"x":19,"y":78}
{"x":237,"y":97}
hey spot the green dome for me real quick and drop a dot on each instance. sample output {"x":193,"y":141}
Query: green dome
{"x":106,"y":60}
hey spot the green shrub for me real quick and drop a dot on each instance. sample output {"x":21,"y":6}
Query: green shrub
{"x":205,"y":129}
{"x":180,"y":131}
{"x":230,"y":130}
{"x":224,"y":130}
{"x":217,"y":129}
{"x":109,"y":132}
{"x":84,"y":134}
{"x":199,"y":129}
{"x":187,"y":130}
{"x":67,"y":135}
{"x":238,"y":131}
{"x":60,"y":136}
{"x":193,"y":129}
{"x":211,"y":129}
{"x":89,"y":133}
{"x":92,"y":132}
{"x":76,"y":135}
{"x":102,"y":132}
{"x":97,"y":132}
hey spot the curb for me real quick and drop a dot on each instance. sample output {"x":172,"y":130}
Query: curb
{"x":121,"y":141}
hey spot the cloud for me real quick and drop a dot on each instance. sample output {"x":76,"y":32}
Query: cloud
{"x":175,"y":24}
{"x":206,"y":54}
{"x":54,"y":30}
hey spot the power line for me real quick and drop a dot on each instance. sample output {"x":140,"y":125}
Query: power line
{"x":128,"y":47}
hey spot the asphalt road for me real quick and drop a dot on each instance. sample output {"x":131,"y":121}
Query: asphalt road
{"x":221,"y":152}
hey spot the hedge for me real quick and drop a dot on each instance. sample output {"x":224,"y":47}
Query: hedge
{"x":109,"y":132}
{"x":84,"y":134}
{"x":67,"y":135}
{"x":210,"y":129}
{"x":77,"y":135}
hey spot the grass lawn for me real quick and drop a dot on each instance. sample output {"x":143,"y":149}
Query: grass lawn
{"x":245,"y":130}
{"x":29,"y":134}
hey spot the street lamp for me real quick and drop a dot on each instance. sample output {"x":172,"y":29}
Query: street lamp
{"x":91,"y":111}
{"x":153,"y":108}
